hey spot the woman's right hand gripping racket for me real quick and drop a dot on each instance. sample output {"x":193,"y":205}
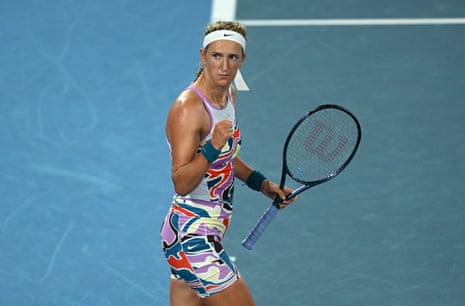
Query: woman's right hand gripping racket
{"x":317,"y":149}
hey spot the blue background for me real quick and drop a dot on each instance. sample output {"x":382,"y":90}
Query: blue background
{"x":85,"y":172}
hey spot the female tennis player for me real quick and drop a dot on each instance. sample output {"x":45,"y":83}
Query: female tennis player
{"x":204,"y":142}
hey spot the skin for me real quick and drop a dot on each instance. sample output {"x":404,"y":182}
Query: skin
{"x":188,"y":122}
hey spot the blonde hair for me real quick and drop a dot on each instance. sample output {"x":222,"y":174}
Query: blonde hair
{"x":222,"y":25}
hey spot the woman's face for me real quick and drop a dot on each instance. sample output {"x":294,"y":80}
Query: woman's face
{"x":221,"y":60}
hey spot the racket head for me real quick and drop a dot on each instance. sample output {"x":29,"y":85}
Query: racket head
{"x":321,"y":144}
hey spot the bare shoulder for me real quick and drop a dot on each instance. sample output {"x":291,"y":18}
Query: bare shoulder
{"x":187,"y":114}
{"x":188,"y":100}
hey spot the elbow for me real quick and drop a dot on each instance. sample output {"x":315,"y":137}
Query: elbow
{"x":181,"y":191}
{"x":185,"y":182}
{"x":181,"y":188}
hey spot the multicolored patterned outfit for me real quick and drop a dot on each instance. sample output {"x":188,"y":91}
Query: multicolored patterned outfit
{"x":194,"y":227}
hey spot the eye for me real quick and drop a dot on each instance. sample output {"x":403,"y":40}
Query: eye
{"x":233,"y":57}
{"x":217,"y":55}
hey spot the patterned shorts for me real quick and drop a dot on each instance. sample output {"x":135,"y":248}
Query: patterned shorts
{"x":194,"y":250}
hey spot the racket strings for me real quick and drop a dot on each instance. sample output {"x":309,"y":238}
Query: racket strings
{"x":320,"y":145}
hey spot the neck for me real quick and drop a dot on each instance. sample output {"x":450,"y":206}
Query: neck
{"x":217,"y":95}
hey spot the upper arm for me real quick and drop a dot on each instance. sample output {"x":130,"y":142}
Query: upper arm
{"x":184,"y":127}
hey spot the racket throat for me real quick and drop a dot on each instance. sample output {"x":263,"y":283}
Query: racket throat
{"x":298,"y":190}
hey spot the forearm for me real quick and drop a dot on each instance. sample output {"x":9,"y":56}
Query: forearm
{"x":187,"y":177}
{"x":256,"y":181}
{"x":241,"y":170}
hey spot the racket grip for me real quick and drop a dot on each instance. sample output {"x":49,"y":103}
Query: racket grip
{"x":260,"y":227}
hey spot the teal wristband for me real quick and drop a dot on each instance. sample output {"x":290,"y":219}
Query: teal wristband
{"x":209,"y":152}
{"x":255,"y":180}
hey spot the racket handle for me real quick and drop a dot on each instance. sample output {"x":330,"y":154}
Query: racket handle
{"x":261,"y":225}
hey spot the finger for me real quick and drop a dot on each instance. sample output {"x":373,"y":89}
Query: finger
{"x":225,"y":122}
{"x":290,"y":200}
{"x":281,"y":195}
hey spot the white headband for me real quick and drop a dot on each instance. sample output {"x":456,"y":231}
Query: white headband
{"x":224,"y":35}
{"x":231,"y":36}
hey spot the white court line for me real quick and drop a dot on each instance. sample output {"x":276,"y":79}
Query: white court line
{"x":350,"y":22}
{"x":223,"y":10}
{"x":226,"y":10}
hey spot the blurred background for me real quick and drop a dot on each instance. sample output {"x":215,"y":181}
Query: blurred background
{"x":85,"y":172}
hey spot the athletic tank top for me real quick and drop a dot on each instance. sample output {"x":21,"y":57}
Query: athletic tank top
{"x":213,"y":197}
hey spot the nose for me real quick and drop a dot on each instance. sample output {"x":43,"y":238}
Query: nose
{"x":224,"y":64}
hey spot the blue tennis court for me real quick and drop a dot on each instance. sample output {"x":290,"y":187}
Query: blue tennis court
{"x":84,"y":167}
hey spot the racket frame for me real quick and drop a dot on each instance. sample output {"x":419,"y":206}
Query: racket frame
{"x":267,"y":217}
{"x":309,"y":184}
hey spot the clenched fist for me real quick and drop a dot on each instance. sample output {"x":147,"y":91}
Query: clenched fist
{"x":222,"y":131}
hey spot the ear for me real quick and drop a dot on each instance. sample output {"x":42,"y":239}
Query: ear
{"x":202,"y":56}
{"x":243,"y":60}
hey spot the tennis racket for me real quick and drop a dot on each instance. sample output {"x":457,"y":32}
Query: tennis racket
{"x":319,"y":146}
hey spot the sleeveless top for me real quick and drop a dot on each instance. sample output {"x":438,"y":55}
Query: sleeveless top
{"x":213,"y":197}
